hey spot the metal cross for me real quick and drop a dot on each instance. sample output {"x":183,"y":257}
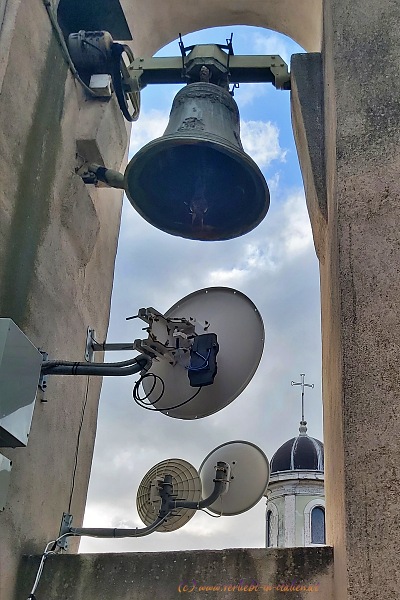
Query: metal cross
{"x":303,"y":385}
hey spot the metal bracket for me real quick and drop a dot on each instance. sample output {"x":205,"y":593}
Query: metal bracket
{"x":89,"y":349}
{"x":228,"y":68}
{"x":65,"y":527}
{"x":43,"y":377}
{"x":168,"y":338}
{"x":92,"y":346}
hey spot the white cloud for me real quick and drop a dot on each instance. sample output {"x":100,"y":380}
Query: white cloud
{"x":151,"y":125}
{"x":229,"y":277}
{"x":248,"y":92}
{"x":297,"y":235}
{"x":274,"y":181}
{"x":262,"y":256}
{"x":260,"y":140}
{"x":273,"y":44}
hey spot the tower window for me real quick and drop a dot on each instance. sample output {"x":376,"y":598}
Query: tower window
{"x":269,"y":519}
{"x":318,"y":525}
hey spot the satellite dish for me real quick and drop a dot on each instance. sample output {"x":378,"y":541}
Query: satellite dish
{"x":235,"y":320}
{"x":186,"y":484}
{"x":249,"y":476}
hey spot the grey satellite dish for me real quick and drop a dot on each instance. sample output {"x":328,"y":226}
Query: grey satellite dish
{"x":248,"y":479}
{"x":186,"y":484}
{"x":240,"y":333}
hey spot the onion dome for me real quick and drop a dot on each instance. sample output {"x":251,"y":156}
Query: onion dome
{"x":300,"y":453}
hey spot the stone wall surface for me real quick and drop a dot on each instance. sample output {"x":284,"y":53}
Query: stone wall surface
{"x":359,"y":250}
{"x":271,"y":574}
{"x":57,"y":247}
{"x":362,"y":391}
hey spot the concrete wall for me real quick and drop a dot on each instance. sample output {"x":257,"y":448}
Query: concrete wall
{"x":57,"y":249}
{"x":57,"y":256}
{"x":299,"y":19}
{"x":356,"y":130}
{"x":360,"y":292}
{"x":145,"y":576}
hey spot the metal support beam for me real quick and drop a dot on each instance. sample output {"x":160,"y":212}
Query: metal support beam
{"x":242,"y":69}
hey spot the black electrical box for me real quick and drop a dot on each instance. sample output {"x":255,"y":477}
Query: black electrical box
{"x":203,"y":360}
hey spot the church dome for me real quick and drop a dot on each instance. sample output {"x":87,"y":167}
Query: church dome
{"x":300,"y":453}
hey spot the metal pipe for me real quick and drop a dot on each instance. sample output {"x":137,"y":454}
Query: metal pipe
{"x":116,"y":533}
{"x":110,"y":347}
{"x":220,"y":486}
{"x":112,"y":178}
{"x":48,"y":364}
{"x":221,"y":483}
{"x":216,"y":493}
{"x":130,"y":367}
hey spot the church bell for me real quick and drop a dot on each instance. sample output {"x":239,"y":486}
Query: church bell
{"x":195,"y":181}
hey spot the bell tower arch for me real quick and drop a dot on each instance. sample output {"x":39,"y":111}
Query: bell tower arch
{"x":298,"y":19}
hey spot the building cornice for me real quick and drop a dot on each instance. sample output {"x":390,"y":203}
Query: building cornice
{"x":297,"y":475}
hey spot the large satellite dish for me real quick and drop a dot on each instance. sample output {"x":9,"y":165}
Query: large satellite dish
{"x":186,"y":484}
{"x":249,"y":476}
{"x":235,"y":320}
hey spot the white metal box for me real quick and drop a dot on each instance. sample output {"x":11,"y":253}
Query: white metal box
{"x":5,"y":476}
{"x":20,"y":365}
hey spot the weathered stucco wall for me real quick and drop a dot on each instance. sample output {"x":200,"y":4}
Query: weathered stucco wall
{"x":356,"y":232}
{"x":360,"y":298}
{"x":57,"y":249}
{"x":273,"y":573}
{"x":299,"y":19}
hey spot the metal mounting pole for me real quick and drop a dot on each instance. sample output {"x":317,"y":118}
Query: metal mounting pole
{"x":93,"y":346}
{"x":168,"y":504}
{"x":127,"y":367}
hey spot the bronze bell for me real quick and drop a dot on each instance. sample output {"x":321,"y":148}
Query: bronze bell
{"x":196,"y":181}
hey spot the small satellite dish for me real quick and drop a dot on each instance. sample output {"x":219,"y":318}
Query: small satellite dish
{"x":186,"y":485}
{"x":235,"y":320}
{"x":249,"y":476}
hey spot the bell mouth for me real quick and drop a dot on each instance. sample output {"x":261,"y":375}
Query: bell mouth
{"x":199,"y":189}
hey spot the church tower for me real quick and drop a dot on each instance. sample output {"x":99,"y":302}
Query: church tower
{"x":295,"y":512}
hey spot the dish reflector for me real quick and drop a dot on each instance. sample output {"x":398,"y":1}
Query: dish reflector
{"x":186,"y":486}
{"x":240,"y":332}
{"x":249,"y":476}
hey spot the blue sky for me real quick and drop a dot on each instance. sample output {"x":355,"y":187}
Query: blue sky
{"x":274,"y":265}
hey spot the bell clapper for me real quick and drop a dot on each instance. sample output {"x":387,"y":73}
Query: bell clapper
{"x":198,"y":205}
